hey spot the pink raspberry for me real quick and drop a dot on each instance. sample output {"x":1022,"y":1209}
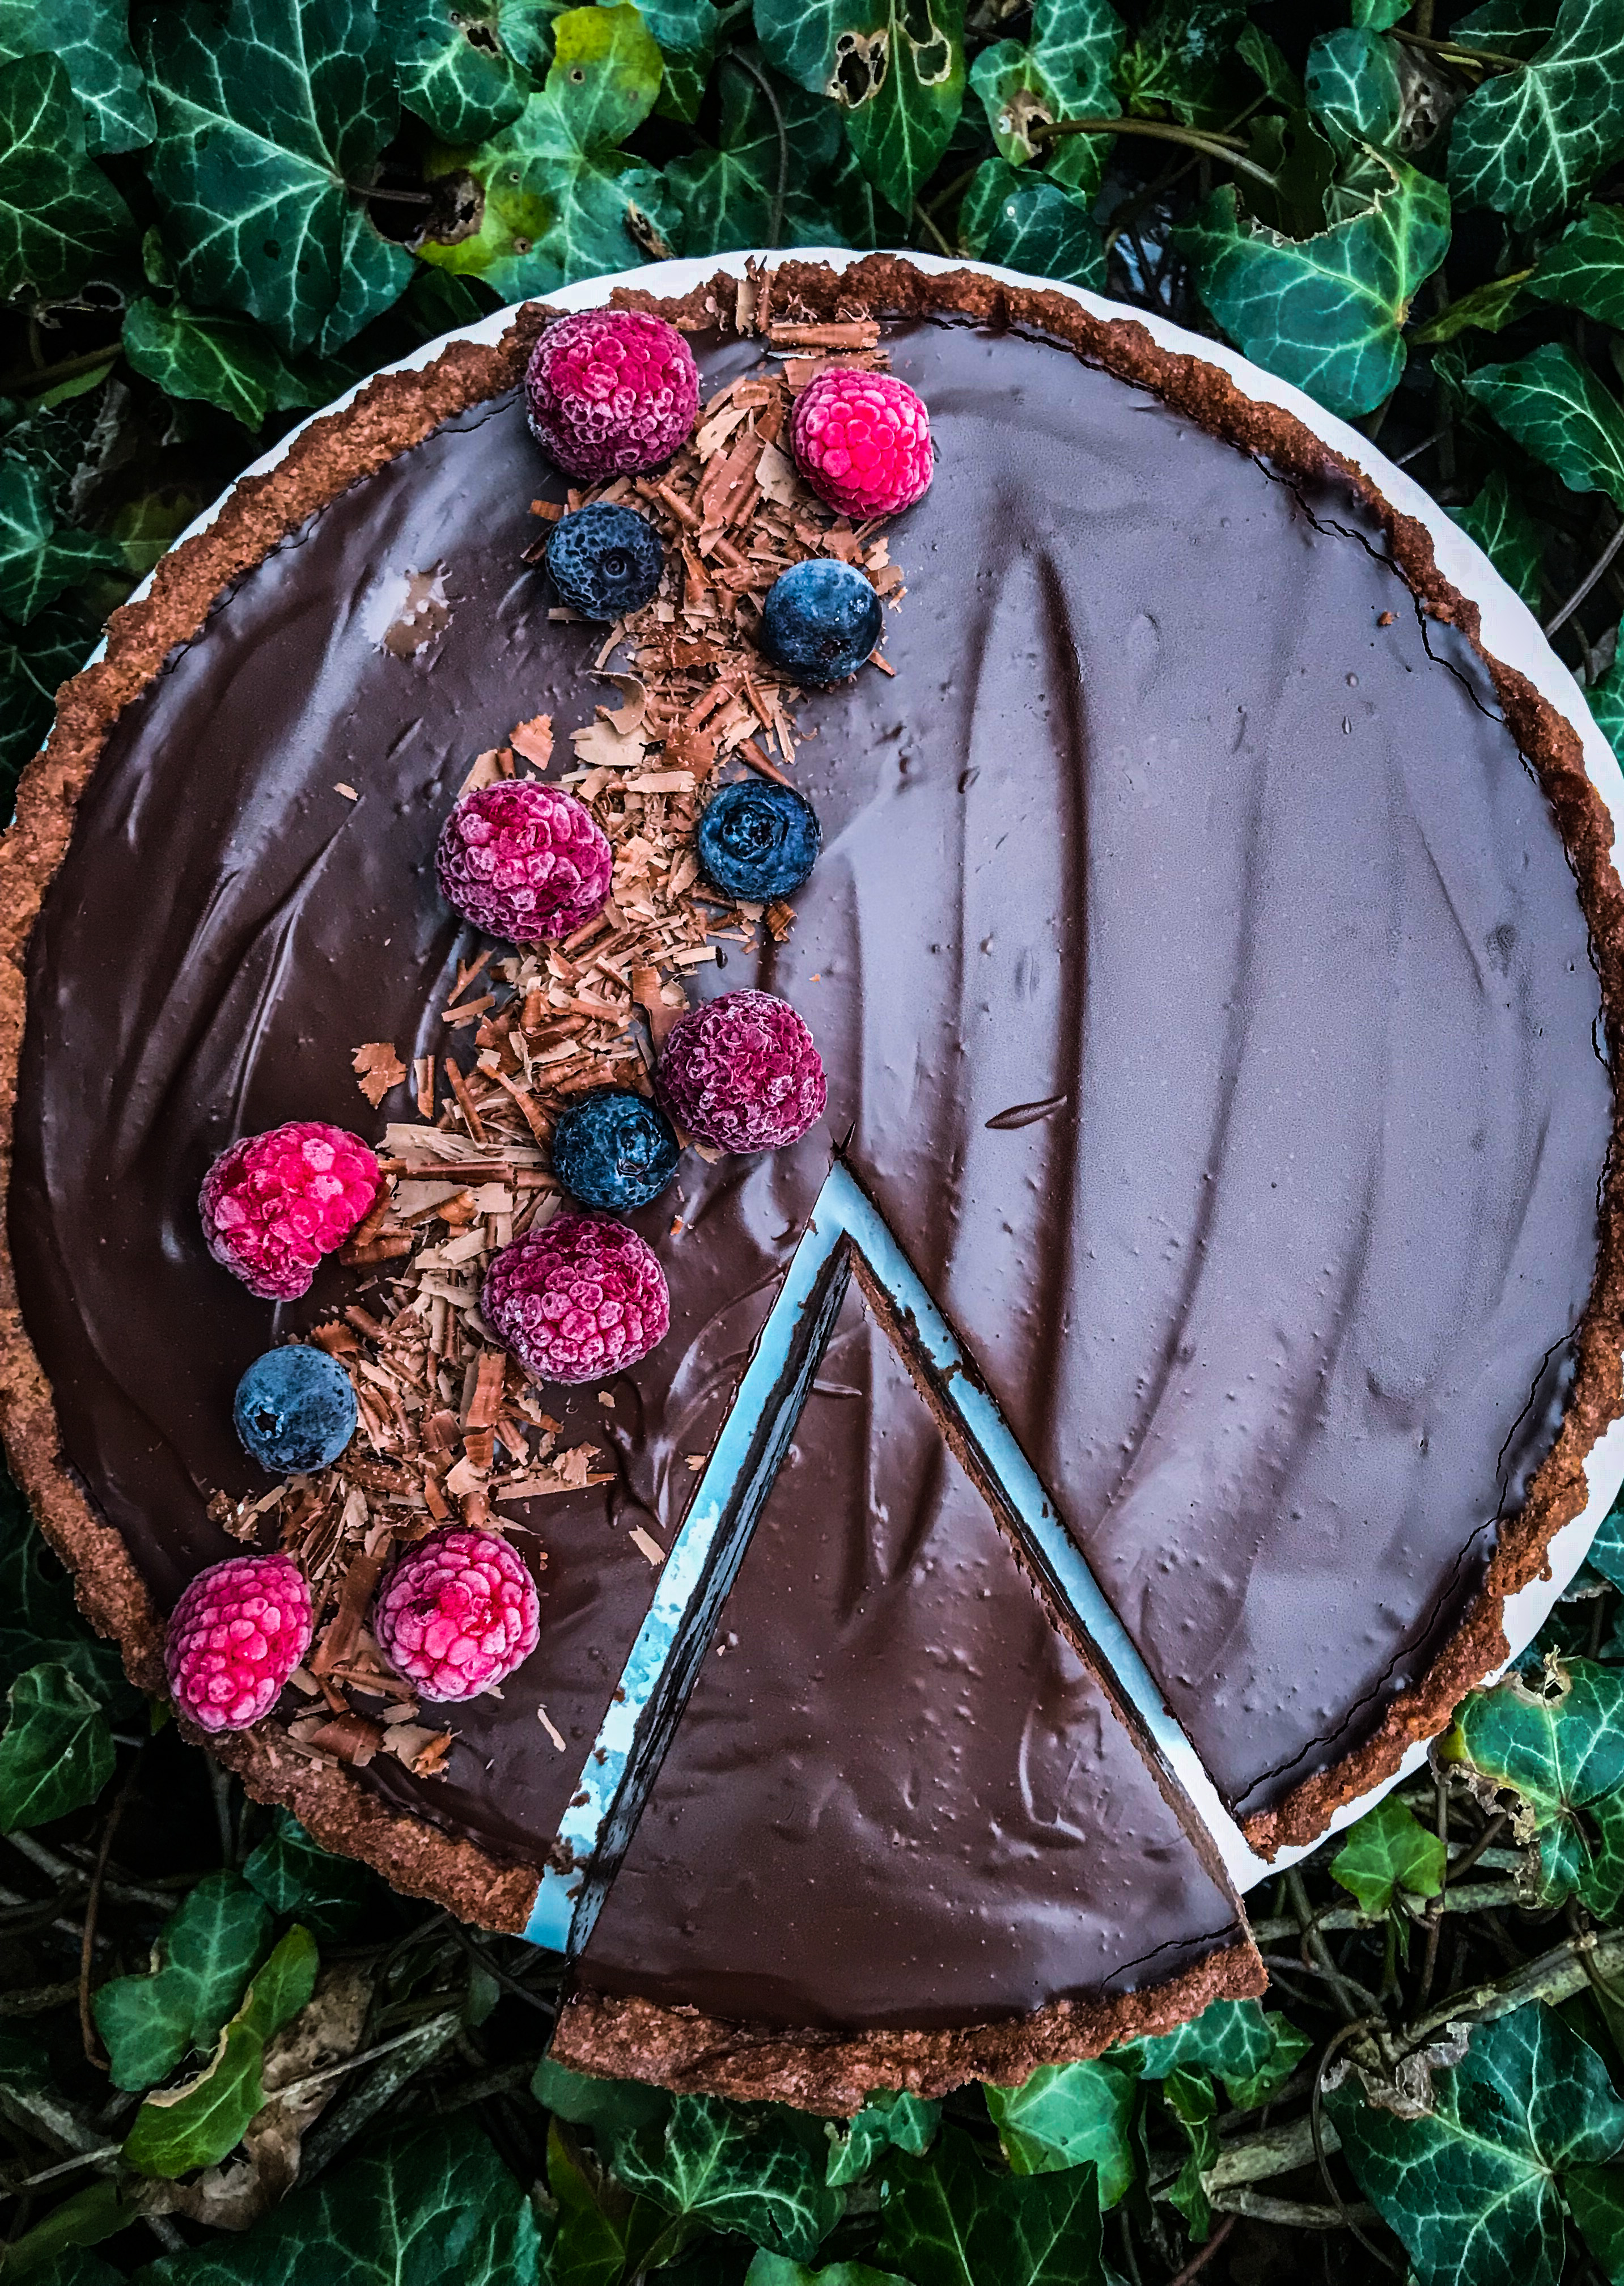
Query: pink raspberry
{"x":458,"y":1613}
{"x":611,"y":390}
{"x":578,"y":1300}
{"x":862,"y":442}
{"x":275,"y":1203}
{"x":236,"y":1636}
{"x":742,"y":1072}
{"x":524,"y":861}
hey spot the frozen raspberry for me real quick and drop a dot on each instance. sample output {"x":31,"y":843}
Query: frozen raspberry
{"x":742,"y":1072}
{"x":524,"y":861}
{"x":862,"y":441}
{"x":275,"y":1203}
{"x":578,"y":1300}
{"x":236,"y":1636}
{"x":458,"y":1613}
{"x":611,"y":390}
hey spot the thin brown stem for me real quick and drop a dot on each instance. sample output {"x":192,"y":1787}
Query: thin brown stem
{"x":1597,"y":571}
{"x":1203,"y":2255}
{"x":92,"y":1906}
{"x":1206,"y":145}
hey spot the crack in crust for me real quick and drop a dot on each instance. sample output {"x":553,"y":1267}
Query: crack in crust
{"x":821,"y":2070}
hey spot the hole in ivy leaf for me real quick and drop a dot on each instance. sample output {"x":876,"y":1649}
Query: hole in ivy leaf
{"x":457,"y":212}
{"x":932,"y":63}
{"x":859,"y":67}
{"x":273,"y":248}
{"x":482,"y":36}
{"x":578,"y":74}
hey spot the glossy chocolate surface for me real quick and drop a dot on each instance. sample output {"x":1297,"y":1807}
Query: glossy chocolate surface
{"x":1197,"y":969}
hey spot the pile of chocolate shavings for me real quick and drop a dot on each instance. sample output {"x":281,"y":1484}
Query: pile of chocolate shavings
{"x":450,"y":1428}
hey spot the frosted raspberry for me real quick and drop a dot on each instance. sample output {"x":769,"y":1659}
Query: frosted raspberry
{"x":578,"y":1300}
{"x":862,"y":441}
{"x":611,"y":390}
{"x":275,"y":1203}
{"x":742,"y":1072}
{"x":524,"y":861}
{"x":237,"y":1634}
{"x":459,"y":1612}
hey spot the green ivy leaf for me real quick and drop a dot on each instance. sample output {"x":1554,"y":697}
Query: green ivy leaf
{"x":35,"y":662}
{"x":39,"y":1617}
{"x":560,"y":202}
{"x":264,"y":122}
{"x":47,"y":2254}
{"x":895,"y":68}
{"x":59,"y":216}
{"x":1252,"y":2051}
{"x":1595,"y":2200}
{"x":601,"y":2236}
{"x":201,"y":1963}
{"x":1066,"y":2114}
{"x":1324,"y":311}
{"x":38,"y":558}
{"x":1352,"y":87}
{"x":1528,"y":142}
{"x":609,"y":2107}
{"x":1488,"y":307}
{"x":1585,"y":269}
{"x":743,"y":2171}
{"x":1561,"y":1749}
{"x":951,"y":2220}
{"x":1514,"y":541}
{"x":1606,"y":1553}
{"x":1506,"y":27}
{"x":226,"y":362}
{"x":1471,"y":2187}
{"x":1264,"y":55}
{"x":1027,"y":221}
{"x":725,"y":196}
{"x":686,"y":32}
{"x":92,"y":39}
{"x":1065,"y":72}
{"x":57,"y":1751}
{"x":1389,"y":1849}
{"x":428,"y":2205}
{"x":1182,"y":61}
{"x":1379,"y":15}
{"x":779,"y":2270}
{"x":452,"y":67}
{"x":296,"y":1877}
{"x":198,"y":2123}
{"x":1557,"y":409}
{"x":1190,"y":2098}
{"x":890,"y":2121}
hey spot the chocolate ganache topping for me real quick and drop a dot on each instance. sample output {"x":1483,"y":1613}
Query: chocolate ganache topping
{"x":1206,"y":1004}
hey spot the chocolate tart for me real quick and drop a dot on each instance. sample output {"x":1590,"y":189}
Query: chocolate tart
{"x":1215,"y":958}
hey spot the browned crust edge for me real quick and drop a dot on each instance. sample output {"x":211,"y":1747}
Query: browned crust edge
{"x":391,"y":413}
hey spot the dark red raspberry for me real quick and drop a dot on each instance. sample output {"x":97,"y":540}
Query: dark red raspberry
{"x":742,"y":1072}
{"x":458,"y":1613}
{"x":577,"y":1301}
{"x":862,"y":442}
{"x":275,"y":1203}
{"x":524,"y":861}
{"x":237,"y":1634}
{"x":611,"y":390}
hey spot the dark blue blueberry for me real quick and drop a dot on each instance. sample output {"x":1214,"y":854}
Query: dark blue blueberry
{"x":296,"y":1410}
{"x":604,"y":560}
{"x":821,"y":621}
{"x":614,"y":1148}
{"x":757,"y":839}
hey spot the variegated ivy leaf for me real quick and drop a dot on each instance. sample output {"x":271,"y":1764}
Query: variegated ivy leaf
{"x":1066,"y":2114}
{"x":1064,"y":72}
{"x":1252,"y":2050}
{"x":1585,"y":269}
{"x":452,"y":67}
{"x":1513,"y":540}
{"x":1326,"y":311}
{"x":1530,"y":140}
{"x":1351,"y":85}
{"x":1026,"y":222}
{"x":59,"y":216}
{"x":686,"y":32}
{"x":1519,"y":28}
{"x":1557,"y":409}
{"x":890,"y":2121}
{"x":92,"y":39}
{"x":894,"y":67}
{"x":39,"y":559}
{"x":1556,"y":1743}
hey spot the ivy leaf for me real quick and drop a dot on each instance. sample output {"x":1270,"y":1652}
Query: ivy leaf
{"x":39,"y":1617}
{"x":560,"y":201}
{"x":92,"y":39}
{"x":1470,"y":2187}
{"x":452,"y":67}
{"x":1560,"y":1748}
{"x":1488,"y":307}
{"x":373,"y":273}
{"x":1606,"y":1554}
{"x":1252,"y":2051}
{"x":226,"y":362}
{"x":726,"y":196}
{"x":1514,"y":541}
{"x":295,"y":1876}
{"x":1352,"y":87}
{"x":35,"y":662}
{"x":201,"y":1963}
{"x":57,"y":1753}
{"x":1065,"y":72}
{"x":601,"y":2235}
{"x":1585,"y":269}
{"x":951,"y":2220}
{"x":1263,"y":55}
{"x":895,"y":68}
{"x":890,"y":2121}
{"x":1325,"y":312}
{"x":779,"y":2270}
{"x":1505,"y":27}
{"x":38,"y":558}
{"x":1380,"y":15}
{"x":1066,"y":2114}
{"x":1389,"y":1849}
{"x":1182,"y":61}
{"x":59,"y":216}
{"x":1190,"y":2098}
{"x":1027,"y":221}
{"x":264,"y":122}
{"x":686,"y":32}
{"x":1595,"y":2200}
{"x":734,"y":2169}
{"x":1557,"y":409}
{"x":198,"y":2123}
{"x":609,"y":2107}
{"x":85,"y":2219}
{"x":1528,"y":142}
{"x":429,"y":2205}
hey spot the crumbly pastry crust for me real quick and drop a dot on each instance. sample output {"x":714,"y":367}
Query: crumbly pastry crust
{"x":391,"y":415}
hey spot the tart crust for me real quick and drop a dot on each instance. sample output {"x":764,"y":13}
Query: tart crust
{"x":680,"y":2048}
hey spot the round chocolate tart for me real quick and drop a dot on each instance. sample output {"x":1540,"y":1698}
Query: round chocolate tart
{"x":1093,"y":1455}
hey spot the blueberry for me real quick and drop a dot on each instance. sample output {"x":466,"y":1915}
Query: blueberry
{"x":820,"y":620}
{"x":614,"y":1148}
{"x":605,"y":561}
{"x":294,"y":1411}
{"x":757,"y":839}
